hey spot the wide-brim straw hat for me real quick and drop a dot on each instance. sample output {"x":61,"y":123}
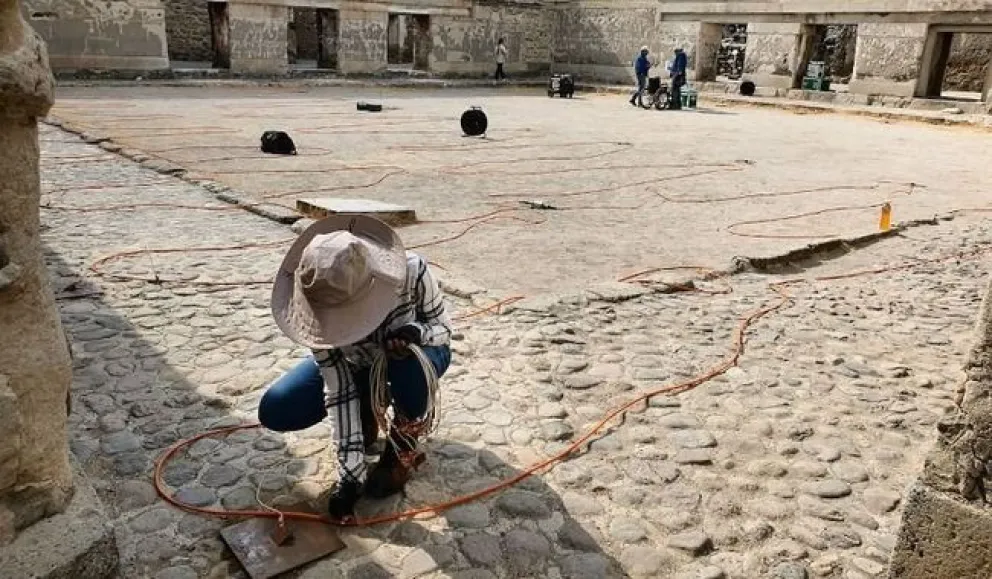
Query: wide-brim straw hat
{"x":338,"y":282}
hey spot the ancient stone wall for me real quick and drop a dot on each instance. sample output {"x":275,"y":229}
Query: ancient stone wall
{"x":120,"y":34}
{"x":602,"y":42}
{"x":187,"y":25}
{"x":362,"y":48}
{"x":888,"y":58}
{"x":467,"y":45}
{"x":258,"y":38}
{"x":969,"y":62}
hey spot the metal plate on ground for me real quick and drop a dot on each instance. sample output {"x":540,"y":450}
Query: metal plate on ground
{"x":253,"y":544}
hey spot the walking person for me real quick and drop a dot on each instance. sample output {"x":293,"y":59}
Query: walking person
{"x":501,"y":53}
{"x":641,"y":68}
{"x":349,"y":292}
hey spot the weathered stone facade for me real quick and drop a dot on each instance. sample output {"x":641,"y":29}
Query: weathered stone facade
{"x":187,"y":24}
{"x":892,"y":47}
{"x":601,"y":41}
{"x":968,"y":65}
{"x":124,"y":35}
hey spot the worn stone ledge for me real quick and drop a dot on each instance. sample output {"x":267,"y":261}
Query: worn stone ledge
{"x":942,"y":538}
{"x":78,"y":543}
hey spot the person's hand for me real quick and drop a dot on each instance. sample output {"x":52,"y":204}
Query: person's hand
{"x":399,"y":339}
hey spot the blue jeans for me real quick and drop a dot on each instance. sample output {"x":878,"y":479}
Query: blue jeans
{"x":642,"y":83}
{"x":296,"y":400}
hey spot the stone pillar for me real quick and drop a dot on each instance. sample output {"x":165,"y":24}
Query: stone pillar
{"x":887,"y":59}
{"x":946,"y":530}
{"x":327,"y":37}
{"x":363,"y":38}
{"x":259,"y":38}
{"x":220,"y":30}
{"x":35,"y":370}
{"x":987,"y":85}
{"x":707,"y":49}
{"x":772,"y":55}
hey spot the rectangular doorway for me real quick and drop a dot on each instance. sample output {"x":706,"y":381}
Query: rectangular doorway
{"x":730,"y":54}
{"x":966,"y":74}
{"x":312,"y":39}
{"x":833,"y":48}
{"x":408,"y":41}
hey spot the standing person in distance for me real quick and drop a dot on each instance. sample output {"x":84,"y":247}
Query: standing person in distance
{"x":679,"y":65}
{"x":641,"y":67}
{"x":501,"y":53}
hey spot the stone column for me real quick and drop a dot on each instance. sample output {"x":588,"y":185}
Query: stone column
{"x":707,"y":50}
{"x":946,"y":530}
{"x":363,"y":38}
{"x":887,"y":59}
{"x":259,"y":38}
{"x":327,"y":37}
{"x":987,"y":85}
{"x":35,"y":371}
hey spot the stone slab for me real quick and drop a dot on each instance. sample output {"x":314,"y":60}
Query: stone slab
{"x":387,"y":212}
{"x":46,"y":551}
{"x":942,"y":538}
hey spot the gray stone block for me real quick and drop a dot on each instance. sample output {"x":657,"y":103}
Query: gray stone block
{"x":942,"y":537}
{"x":78,"y":543}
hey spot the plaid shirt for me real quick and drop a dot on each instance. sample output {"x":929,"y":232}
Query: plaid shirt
{"x":422,"y":305}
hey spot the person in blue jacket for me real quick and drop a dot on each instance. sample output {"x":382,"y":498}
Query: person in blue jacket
{"x":641,"y":67}
{"x":679,"y":66}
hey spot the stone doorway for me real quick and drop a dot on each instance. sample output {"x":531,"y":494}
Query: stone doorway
{"x":408,"y":41}
{"x":957,"y":64}
{"x":730,"y":54}
{"x":312,"y":39}
{"x":832,"y":45}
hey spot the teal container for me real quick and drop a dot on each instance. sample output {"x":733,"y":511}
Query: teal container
{"x":689,"y":98}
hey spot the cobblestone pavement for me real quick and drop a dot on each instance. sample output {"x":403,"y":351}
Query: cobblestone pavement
{"x":789,"y":466}
{"x":608,"y":167}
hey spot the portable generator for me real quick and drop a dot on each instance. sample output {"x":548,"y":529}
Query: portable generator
{"x":561,"y":85}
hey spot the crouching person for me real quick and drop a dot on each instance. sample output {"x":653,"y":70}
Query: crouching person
{"x":349,"y":292}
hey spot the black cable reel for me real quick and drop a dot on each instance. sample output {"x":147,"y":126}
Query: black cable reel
{"x":474,"y":122}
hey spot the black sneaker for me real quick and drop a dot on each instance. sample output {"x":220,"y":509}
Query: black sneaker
{"x":344,"y":497}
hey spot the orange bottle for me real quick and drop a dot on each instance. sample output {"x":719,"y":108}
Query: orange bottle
{"x":885,"y":221}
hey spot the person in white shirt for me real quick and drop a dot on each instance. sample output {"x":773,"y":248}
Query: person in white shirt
{"x":500,"y":59}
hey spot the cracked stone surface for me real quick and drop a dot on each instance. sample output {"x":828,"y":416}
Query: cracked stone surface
{"x":790,"y":465}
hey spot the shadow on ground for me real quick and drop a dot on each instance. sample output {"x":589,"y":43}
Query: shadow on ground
{"x":140,"y":386}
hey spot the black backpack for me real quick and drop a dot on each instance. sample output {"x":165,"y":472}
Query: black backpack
{"x":277,"y":143}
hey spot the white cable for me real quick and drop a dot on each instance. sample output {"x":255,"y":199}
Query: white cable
{"x":382,"y":397}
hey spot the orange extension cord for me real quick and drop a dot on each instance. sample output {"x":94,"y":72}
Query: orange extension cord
{"x":737,"y":342}
{"x":731,"y":360}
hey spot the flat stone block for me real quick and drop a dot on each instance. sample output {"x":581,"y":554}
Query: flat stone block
{"x":387,"y":212}
{"x":942,"y":538}
{"x":46,"y":550}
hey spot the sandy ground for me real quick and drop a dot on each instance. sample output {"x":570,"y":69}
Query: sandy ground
{"x":635,"y":189}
